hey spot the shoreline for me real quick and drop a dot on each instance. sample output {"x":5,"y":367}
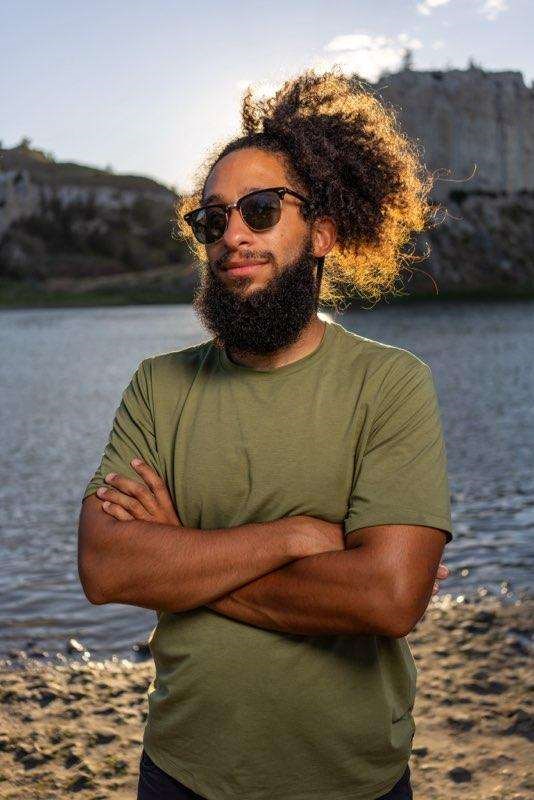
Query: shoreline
{"x":21,"y":296}
{"x":77,"y":726}
{"x":39,"y":653}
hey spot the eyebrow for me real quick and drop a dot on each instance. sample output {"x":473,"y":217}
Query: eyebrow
{"x":247,"y":189}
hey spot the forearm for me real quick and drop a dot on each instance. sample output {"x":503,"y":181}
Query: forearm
{"x":329,"y":593}
{"x":166,"y":568}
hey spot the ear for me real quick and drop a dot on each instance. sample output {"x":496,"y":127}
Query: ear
{"x":324,"y":235}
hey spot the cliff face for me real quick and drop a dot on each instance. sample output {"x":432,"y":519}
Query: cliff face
{"x":479,"y":242}
{"x":469,"y":123}
{"x":60,"y":220}
{"x":19,"y":198}
{"x":63,"y":219}
{"x":475,"y":133}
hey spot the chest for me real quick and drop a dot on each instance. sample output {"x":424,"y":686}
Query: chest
{"x":253,"y":453}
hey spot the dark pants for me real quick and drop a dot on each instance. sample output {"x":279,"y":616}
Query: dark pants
{"x":155,"y":784}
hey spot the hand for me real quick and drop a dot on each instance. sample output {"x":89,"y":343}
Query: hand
{"x":128,"y":499}
{"x":317,"y":535}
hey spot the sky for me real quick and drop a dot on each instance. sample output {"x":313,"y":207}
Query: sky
{"x":151,"y":87}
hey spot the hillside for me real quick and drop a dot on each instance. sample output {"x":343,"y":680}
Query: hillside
{"x":82,"y":235}
{"x":61,"y":219}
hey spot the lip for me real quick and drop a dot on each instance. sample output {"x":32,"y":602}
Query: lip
{"x":246,"y":268}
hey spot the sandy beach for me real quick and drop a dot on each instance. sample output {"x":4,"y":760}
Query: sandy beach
{"x":76,"y":727}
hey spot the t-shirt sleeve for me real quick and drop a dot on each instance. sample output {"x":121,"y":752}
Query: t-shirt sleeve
{"x":400,"y":475}
{"x":132,"y":433}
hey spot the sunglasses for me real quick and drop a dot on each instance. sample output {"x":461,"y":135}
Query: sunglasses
{"x":260,"y":210}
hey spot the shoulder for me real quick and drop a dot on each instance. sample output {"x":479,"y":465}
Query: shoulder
{"x":377,"y":363}
{"x":176,"y":363}
{"x":165,"y":378}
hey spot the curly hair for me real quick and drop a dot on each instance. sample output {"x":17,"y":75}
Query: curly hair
{"x":343,"y":148}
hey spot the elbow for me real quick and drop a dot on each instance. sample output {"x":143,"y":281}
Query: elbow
{"x":402,"y":607}
{"x":95,"y":597}
{"x":394,"y":629}
{"x":400,"y":631}
{"x":397,"y":618}
{"x":397,"y":628}
{"x":91,"y":580}
{"x":95,"y":533}
{"x":91,"y":588}
{"x":403,"y":620}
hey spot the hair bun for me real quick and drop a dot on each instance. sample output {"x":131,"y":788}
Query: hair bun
{"x":271,"y":127}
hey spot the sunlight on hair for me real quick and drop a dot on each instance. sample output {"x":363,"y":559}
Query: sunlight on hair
{"x":343,"y":147}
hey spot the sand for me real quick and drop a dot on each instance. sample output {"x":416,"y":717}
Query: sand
{"x":76,"y":727}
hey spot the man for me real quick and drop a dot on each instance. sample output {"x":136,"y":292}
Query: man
{"x":286,"y":521}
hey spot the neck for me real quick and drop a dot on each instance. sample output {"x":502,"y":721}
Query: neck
{"x":308,"y":341}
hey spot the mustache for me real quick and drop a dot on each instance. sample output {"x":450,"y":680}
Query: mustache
{"x":247,"y":256}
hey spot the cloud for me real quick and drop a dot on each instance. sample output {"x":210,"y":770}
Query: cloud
{"x":488,"y":8}
{"x":265,"y":88}
{"x":426,"y":6}
{"x":492,"y":8}
{"x":365,"y":54}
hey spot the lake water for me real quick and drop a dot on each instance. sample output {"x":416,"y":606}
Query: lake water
{"x":62,"y":375}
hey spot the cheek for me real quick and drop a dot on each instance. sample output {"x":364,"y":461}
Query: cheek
{"x":213,"y":253}
{"x":280,"y":242}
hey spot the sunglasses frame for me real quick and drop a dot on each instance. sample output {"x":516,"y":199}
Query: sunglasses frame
{"x":279,"y":190}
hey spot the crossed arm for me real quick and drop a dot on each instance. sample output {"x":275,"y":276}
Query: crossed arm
{"x":379,"y":584}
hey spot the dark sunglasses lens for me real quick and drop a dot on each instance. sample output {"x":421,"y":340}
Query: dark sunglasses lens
{"x":261,"y":210}
{"x":209,"y":225}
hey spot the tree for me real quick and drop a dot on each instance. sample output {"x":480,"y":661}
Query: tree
{"x":472,"y":64}
{"x":407,"y":58}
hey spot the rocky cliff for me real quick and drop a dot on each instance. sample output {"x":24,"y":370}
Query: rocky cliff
{"x":65,"y":219}
{"x":479,"y":242}
{"x":475,"y":128}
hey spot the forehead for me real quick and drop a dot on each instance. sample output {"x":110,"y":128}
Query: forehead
{"x":243,"y":171}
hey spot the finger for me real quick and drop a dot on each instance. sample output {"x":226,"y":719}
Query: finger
{"x":134,"y":489}
{"x":129,"y":504}
{"x":443,"y":571}
{"x":156,"y":483}
{"x":149,"y":475}
{"x":116,"y":511}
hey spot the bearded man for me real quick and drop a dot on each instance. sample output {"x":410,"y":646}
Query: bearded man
{"x":278,"y":493}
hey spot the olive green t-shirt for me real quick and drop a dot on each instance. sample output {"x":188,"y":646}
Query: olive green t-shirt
{"x":352,"y":433}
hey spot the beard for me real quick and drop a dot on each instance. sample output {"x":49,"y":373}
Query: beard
{"x":267,"y":319}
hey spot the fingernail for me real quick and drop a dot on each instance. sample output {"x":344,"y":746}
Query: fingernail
{"x":136,"y":461}
{"x":110,"y":476}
